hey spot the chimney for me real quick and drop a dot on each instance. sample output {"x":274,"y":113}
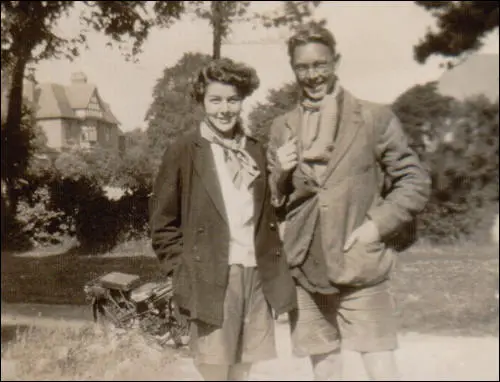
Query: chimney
{"x":78,"y":78}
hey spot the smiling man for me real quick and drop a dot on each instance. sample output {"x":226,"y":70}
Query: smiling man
{"x":343,"y":179}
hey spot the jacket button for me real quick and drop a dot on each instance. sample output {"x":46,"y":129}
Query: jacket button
{"x":272,"y":226}
{"x":278,"y":252}
{"x":201,"y":229}
{"x":197,"y":258}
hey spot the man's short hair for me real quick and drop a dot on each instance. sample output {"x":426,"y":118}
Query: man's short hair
{"x":311,"y":32}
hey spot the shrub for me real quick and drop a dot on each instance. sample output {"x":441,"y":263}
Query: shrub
{"x":464,"y":168}
{"x":40,"y":222}
{"x":97,"y":225}
{"x":132,"y":210}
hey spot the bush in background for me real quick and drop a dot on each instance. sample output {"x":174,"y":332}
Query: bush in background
{"x":39,"y":222}
{"x":464,"y":168}
{"x":65,"y":196}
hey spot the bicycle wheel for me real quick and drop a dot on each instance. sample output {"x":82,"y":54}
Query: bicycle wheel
{"x":109,"y":316}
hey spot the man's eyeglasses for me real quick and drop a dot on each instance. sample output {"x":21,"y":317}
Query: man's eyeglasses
{"x":317,"y":67}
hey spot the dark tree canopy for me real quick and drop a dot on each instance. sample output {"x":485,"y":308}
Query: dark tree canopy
{"x":172,"y":112}
{"x":462,"y":25}
{"x":421,"y":110}
{"x":278,"y":102}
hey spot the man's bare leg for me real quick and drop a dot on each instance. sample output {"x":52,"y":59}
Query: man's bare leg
{"x":381,"y":366}
{"x":213,"y":372}
{"x":239,"y":372}
{"x":328,"y":366}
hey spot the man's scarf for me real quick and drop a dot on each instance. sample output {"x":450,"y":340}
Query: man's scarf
{"x":317,"y":131}
{"x":319,"y":120}
{"x":242,"y":168}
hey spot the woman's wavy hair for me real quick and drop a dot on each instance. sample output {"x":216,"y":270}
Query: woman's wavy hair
{"x":243,"y":77}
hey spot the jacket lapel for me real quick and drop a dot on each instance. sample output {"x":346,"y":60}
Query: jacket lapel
{"x":350,"y":123}
{"x":293,"y":124}
{"x":259,"y":184}
{"x":204,"y":165}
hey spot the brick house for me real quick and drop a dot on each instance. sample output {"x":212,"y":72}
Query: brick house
{"x":74,"y":115}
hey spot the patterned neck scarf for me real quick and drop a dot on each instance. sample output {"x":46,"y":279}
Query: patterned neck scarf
{"x":319,"y":122}
{"x":242,"y":168}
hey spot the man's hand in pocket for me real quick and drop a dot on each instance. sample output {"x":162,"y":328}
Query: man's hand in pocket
{"x":365,"y":233}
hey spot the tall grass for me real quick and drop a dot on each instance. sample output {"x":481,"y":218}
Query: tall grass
{"x":82,"y":353}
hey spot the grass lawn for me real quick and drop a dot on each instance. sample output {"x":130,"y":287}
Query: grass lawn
{"x":446,"y":290}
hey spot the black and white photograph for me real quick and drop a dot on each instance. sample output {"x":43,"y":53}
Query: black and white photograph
{"x":250,"y":190}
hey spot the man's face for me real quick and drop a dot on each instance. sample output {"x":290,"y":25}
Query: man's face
{"x":314,"y":67}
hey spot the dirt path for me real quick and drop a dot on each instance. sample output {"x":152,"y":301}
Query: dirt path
{"x":421,"y":357}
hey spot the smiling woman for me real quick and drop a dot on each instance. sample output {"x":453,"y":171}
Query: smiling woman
{"x":214,"y":230}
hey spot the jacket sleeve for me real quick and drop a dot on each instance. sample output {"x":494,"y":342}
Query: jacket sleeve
{"x":280,"y":183}
{"x":165,"y":210}
{"x":409,"y":182}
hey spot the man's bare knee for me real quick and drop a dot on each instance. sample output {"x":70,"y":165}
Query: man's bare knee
{"x":239,"y":372}
{"x":327,"y":366}
{"x":213,"y":372}
{"x":381,"y":366}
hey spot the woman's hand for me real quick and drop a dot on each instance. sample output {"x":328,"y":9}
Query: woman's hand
{"x":287,"y":155}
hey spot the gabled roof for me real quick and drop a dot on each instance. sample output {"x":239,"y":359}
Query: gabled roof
{"x":52,"y":102}
{"x":108,"y":115}
{"x":79,"y":94}
{"x":59,"y":101}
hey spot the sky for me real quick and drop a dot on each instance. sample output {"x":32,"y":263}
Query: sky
{"x":375,"y":40}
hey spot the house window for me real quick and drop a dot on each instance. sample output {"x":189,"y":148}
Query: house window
{"x":89,"y":134}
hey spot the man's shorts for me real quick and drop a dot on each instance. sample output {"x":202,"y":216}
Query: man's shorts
{"x":362,"y":319}
{"x":247,"y":332}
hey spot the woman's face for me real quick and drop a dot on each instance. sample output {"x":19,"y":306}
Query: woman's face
{"x":222,"y":105}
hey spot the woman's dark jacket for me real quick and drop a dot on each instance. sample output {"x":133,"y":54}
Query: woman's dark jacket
{"x":190,"y":233}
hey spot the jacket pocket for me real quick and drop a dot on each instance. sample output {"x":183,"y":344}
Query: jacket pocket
{"x":364,"y":264}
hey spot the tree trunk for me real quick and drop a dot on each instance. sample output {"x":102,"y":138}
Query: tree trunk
{"x":11,"y":129}
{"x":217,"y":28}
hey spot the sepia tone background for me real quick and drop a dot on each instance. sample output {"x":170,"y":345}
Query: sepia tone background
{"x":81,"y":141}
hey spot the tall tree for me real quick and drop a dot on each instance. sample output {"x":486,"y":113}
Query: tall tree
{"x":462,"y":26}
{"x":222,"y":14}
{"x":29,"y":34}
{"x":291,"y":14}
